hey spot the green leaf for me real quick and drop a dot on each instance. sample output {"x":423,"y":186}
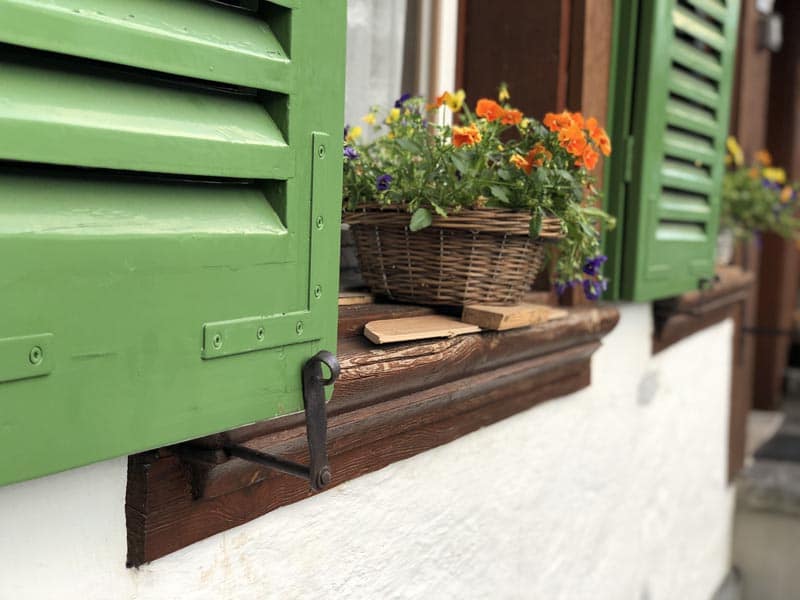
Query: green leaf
{"x":535,"y":227}
{"x":499,"y":192}
{"x":439,"y":210}
{"x":459,"y":163}
{"x":420,"y":219}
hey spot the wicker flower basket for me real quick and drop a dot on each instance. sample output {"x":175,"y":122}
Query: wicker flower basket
{"x":473,"y":256}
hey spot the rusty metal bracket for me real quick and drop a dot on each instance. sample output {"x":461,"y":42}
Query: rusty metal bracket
{"x":317,"y":472}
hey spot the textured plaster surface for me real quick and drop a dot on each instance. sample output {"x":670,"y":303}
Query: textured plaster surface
{"x":614,"y":492}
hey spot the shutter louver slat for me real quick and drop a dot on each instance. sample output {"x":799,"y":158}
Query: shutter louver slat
{"x":66,"y":118}
{"x":688,"y":145}
{"x":192,"y":38}
{"x":689,"y":115}
{"x":713,"y":8}
{"x":694,"y":59}
{"x":690,"y":85}
{"x":688,"y":23}
{"x":679,"y":205}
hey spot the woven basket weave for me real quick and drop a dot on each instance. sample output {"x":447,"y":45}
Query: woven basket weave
{"x":473,"y":256}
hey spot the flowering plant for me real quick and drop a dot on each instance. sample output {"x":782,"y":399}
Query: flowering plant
{"x":494,"y":157}
{"x":757,"y":197}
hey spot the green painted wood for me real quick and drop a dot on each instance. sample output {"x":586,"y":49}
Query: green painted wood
{"x":26,"y":356}
{"x":618,"y":170}
{"x":689,"y":115}
{"x":690,"y":146}
{"x":692,"y":58}
{"x":691,"y":86}
{"x":682,"y":205}
{"x":713,"y":8}
{"x":185,"y":37}
{"x":69,"y":118}
{"x":699,"y":28}
{"x":677,"y":114}
{"x":126,"y":270}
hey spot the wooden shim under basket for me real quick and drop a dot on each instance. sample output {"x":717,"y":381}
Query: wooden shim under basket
{"x":500,"y":318}
{"x":416,"y":328}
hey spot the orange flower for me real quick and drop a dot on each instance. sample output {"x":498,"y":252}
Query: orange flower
{"x":556,"y":121}
{"x":603,"y":142}
{"x":786,"y":194}
{"x":588,"y":159}
{"x":511,"y":117}
{"x":572,"y":139}
{"x":538,"y":155}
{"x":577,"y":119}
{"x":764,"y":158}
{"x":489,"y":109}
{"x":439,"y":101}
{"x":599,"y":136}
{"x":466,"y":136}
{"x":453,"y":101}
{"x":521,"y":163}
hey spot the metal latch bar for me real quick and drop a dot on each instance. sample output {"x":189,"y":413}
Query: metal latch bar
{"x":317,"y":472}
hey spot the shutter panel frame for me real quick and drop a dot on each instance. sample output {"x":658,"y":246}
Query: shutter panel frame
{"x":151,"y":216}
{"x":678,"y":121}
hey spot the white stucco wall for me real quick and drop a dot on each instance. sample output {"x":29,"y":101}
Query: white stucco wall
{"x":616,"y":492}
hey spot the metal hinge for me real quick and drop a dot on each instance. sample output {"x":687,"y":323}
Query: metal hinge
{"x":317,"y":472}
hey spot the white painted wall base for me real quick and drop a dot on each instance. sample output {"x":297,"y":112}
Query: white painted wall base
{"x":617,"y":492}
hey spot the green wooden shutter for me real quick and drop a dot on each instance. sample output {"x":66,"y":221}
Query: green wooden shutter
{"x":672,"y":76}
{"x":170,"y":192}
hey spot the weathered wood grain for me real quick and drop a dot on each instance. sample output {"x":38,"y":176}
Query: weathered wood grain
{"x":694,"y":311}
{"x":390,"y":404}
{"x":503,"y":318}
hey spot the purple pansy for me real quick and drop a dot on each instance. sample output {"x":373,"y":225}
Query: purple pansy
{"x":383,"y":182}
{"x":593,"y":265}
{"x":563,"y":286}
{"x":350,"y":152}
{"x":402,"y":100}
{"x":592,"y":288}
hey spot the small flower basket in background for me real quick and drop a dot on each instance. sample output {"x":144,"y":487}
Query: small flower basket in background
{"x":457,"y":215}
{"x":755,"y":198}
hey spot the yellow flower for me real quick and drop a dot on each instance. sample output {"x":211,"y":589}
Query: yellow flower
{"x":394,"y":115}
{"x":502,"y":94}
{"x":735,"y":151}
{"x":786,"y":194}
{"x":774,"y":174}
{"x":500,"y":147}
{"x":455,"y":101}
{"x":369,"y":118}
{"x":353,"y":134}
{"x":524,"y":124}
{"x":764,"y":158}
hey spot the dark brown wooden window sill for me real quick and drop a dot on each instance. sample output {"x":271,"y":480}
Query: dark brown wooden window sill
{"x":694,"y":311}
{"x":391,"y":402}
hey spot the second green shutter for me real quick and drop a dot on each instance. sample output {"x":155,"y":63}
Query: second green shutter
{"x":672,"y":79}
